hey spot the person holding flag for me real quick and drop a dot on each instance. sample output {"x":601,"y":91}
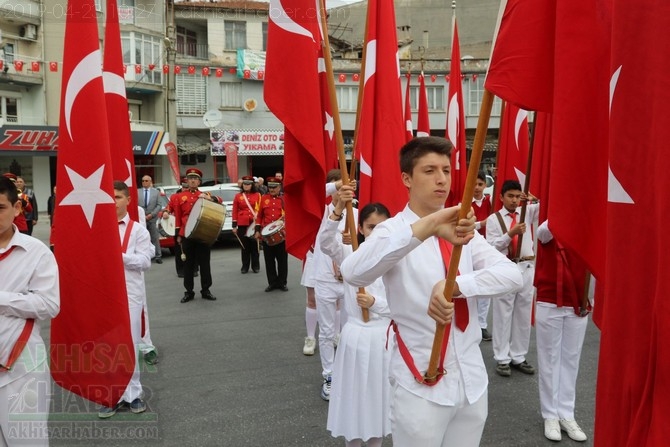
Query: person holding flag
{"x":29,"y":294}
{"x":512,"y":313}
{"x":411,"y":252}
{"x":137,"y":251}
{"x":482,"y":206}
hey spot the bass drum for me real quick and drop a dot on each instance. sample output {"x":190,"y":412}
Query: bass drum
{"x":166,"y":227}
{"x":205,"y":221}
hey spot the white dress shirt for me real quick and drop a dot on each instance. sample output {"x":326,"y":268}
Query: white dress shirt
{"x":29,"y":288}
{"x":323,"y":269}
{"x":410,"y":268}
{"x":136,"y":260}
{"x":501,"y":240}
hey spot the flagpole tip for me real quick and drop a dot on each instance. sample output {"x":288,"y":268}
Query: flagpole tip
{"x":453,"y":4}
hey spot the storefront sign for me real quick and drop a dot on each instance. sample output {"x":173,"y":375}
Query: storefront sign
{"x":248,"y":142}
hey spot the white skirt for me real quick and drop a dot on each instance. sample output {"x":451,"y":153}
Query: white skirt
{"x":360,"y":393}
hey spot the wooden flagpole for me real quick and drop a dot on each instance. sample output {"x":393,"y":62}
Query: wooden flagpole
{"x":526,"y":187}
{"x":339,"y":142}
{"x":432,"y":373}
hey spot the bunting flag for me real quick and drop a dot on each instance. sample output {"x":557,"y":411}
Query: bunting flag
{"x":18,"y":65}
{"x":512,"y":149}
{"x":53,"y":66}
{"x":294,"y":34}
{"x":92,"y":351}
{"x":35,"y":66}
{"x":522,"y":61}
{"x":382,"y":124}
{"x":456,"y":123}
{"x":120,"y":136}
{"x":409,"y":127}
{"x":423,"y":125}
{"x":630,"y":404}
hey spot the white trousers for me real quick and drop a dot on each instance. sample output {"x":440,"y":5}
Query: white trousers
{"x":146,"y":345}
{"x":134,"y":388}
{"x":24,"y":410}
{"x":416,"y":421}
{"x":483,"y":305}
{"x":327,"y":295}
{"x":511,"y":320}
{"x":560,"y":336}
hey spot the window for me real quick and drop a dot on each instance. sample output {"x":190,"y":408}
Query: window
{"x":191,"y":94}
{"x":235,"y":35}
{"x":142,"y":49}
{"x":435,"y":95}
{"x":187,"y":42}
{"x":265,"y":36}
{"x":231,"y":95}
{"x":472,"y":96}
{"x":9,"y":53}
{"x":347,"y":97}
{"x":9,"y":109}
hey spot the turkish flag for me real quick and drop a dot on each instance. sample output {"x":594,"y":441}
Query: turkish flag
{"x":329,"y":146}
{"x":260,"y":75}
{"x":205,"y":71}
{"x":522,"y":61}
{"x":177,"y":69}
{"x":138,"y":67}
{"x":512,"y":149}
{"x":247,"y":74}
{"x":92,"y":351}
{"x":423,"y":125}
{"x":152,"y":66}
{"x":630,"y":395}
{"x":166,"y":69}
{"x":409,"y":127}
{"x":53,"y":66}
{"x":2,"y":64}
{"x":120,"y":137}
{"x":219,"y":72}
{"x":456,"y":123}
{"x":35,"y":66}
{"x":18,"y":65}
{"x":191,"y":69}
{"x":302,"y":114}
{"x":382,"y":128}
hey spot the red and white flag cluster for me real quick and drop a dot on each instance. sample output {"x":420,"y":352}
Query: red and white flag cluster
{"x":595,"y":66}
{"x":456,"y":123}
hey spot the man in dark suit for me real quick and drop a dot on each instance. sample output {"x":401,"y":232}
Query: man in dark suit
{"x":149,"y":198}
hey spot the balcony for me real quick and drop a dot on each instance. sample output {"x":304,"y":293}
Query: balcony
{"x":192,"y":51}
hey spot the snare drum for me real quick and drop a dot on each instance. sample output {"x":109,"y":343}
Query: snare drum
{"x":274,"y":233}
{"x":205,"y":221}
{"x":166,"y":227}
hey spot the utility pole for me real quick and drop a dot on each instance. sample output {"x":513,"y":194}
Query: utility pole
{"x":171,"y":48}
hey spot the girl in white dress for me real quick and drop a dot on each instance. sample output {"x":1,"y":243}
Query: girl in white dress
{"x":359,"y":399}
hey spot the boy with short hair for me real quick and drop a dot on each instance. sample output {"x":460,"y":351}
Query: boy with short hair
{"x":137,"y":251}
{"x":29,"y":294}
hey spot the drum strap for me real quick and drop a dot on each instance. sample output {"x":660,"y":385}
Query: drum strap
{"x":249,"y":205}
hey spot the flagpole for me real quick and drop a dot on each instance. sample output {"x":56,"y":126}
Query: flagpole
{"x":466,"y":204}
{"x":339,"y":143}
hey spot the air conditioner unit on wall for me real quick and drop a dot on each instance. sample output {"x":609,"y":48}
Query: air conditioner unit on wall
{"x":28,"y":31}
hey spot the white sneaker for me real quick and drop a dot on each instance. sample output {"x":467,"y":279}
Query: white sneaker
{"x":573,"y":430}
{"x":552,"y":430}
{"x":310,"y":346}
{"x":325,"y":388}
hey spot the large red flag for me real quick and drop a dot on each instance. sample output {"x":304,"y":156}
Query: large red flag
{"x":120,"y":139}
{"x":512,"y":148}
{"x":456,"y":122}
{"x":92,"y":352}
{"x":382,"y":125}
{"x":409,"y":127}
{"x":294,"y":97}
{"x":634,"y":367}
{"x":423,"y":124}
{"x":522,"y":60}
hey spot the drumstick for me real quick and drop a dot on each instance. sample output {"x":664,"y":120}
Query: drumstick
{"x":239,"y":240}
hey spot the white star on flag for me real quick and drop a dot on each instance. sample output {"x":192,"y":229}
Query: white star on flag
{"x":129,"y":180}
{"x":329,"y":126}
{"x":86,"y":192}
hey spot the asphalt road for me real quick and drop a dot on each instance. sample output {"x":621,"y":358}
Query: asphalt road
{"x":232,"y":373}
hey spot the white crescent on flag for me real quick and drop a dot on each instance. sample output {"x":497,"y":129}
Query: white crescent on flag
{"x":129,"y":180}
{"x":452,"y":124}
{"x":114,"y":84}
{"x":521,"y":116}
{"x":370,"y":60}
{"x":615,"y":191}
{"x":282,"y":20}
{"x":86,"y":70}
{"x":329,"y":126}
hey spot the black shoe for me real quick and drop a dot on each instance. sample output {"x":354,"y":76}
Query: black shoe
{"x":269,"y":288}
{"x":159,"y":261}
{"x":207,"y":295}
{"x":151,"y":358}
{"x":524,"y":367}
{"x":255,"y":270}
{"x":243,"y":271}
{"x":283,"y":288}
{"x":180,"y":275}
{"x":486,"y":335}
{"x":188,"y":296}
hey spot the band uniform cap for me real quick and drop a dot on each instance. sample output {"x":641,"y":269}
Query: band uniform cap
{"x":183,"y":179}
{"x":248,"y":178}
{"x":10,"y":176}
{"x":193,"y":172}
{"x":273,"y":181}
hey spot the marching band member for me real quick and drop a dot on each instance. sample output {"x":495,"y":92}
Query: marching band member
{"x":169,"y":210}
{"x":26,"y":207}
{"x":411,"y":252}
{"x":197,"y":253}
{"x":245,"y":210}
{"x":276,"y":257}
